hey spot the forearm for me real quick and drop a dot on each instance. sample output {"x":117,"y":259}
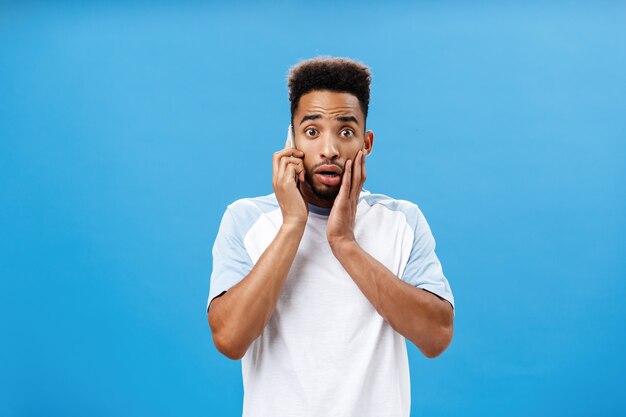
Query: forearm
{"x":240,"y":315}
{"x":420,"y":316}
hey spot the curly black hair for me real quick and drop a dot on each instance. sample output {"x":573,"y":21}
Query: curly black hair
{"x":342,"y":75}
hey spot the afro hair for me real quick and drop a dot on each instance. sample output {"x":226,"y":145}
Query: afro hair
{"x":342,"y":75}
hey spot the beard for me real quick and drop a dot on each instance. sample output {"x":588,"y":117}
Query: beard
{"x":323,"y":192}
{"x":326,"y":193}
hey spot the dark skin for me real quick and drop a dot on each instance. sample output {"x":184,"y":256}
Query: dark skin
{"x":329,"y":131}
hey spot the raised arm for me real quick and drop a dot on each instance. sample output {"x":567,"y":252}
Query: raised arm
{"x":239,"y":316}
{"x":422,"y":317}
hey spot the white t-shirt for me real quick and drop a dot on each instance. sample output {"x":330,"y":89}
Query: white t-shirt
{"x":326,"y":351}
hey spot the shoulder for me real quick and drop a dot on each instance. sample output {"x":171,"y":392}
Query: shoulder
{"x":254,"y":205}
{"x":386,"y":204}
{"x":242,"y":214}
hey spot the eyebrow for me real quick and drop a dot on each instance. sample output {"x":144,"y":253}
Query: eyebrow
{"x":310,"y":117}
{"x":344,"y":119}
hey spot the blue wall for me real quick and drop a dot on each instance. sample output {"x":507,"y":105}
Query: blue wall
{"x":125,"y":130}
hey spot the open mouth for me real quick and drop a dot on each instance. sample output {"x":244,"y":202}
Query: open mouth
{"x":329,"y":174}
{"x":329,"y":170}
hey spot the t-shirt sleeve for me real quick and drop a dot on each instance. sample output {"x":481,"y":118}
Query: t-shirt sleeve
{"x":423,"y":269}
{"x":231,"y":262}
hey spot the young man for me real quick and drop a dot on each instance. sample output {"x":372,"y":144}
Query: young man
{"x":316,"y":286}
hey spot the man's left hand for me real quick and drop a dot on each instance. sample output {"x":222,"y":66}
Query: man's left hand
{"x":340,"y":228}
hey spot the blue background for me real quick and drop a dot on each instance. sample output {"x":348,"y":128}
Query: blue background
{"x":126,"y":129}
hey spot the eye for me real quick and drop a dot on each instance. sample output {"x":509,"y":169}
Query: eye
{"x":310,"y":131}
{"x":347,"y":133}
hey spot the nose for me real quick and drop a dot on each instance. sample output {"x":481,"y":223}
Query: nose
{"x":329,"y":149}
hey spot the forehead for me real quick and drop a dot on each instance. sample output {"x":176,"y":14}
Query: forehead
{"x":329,"y":104}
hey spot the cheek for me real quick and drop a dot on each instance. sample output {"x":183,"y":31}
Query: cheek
{"x":307,"y":165}
{"x":308,"y":159}
{"x":351,"y":149}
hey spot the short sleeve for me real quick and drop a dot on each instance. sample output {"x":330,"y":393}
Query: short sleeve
{"x":423,"y":269}
{"x":231,"y":262}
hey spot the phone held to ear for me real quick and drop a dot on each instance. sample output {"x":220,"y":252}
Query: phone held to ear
{"x":290,"y":137}
{"x":291,"y":144}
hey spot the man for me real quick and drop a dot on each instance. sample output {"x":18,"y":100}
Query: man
{"x":316,"y":286}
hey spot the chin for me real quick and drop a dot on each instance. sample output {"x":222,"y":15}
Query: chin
{"x":325,"y":193}
{"x":321,"y":191}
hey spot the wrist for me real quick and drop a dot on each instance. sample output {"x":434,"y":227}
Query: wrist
{"x":293,"y":226}
{"x":341,"y":246}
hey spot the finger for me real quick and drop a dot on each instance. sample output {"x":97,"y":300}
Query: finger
{"x":276,"y":157}
{"x":291,"y":160}
{"x":344,"y":190}
{"x":296,"y":161}
{"x":363,"y":175}
{"x":356,"y":177}
{"x":282,"y":166}
{"x":298,"y":165}
{"x":301,"y":176}
{"x":289,"y":152}
{"x":299,"y":170}
{"x":290,"y":172}
{"x":363,"y":171}
{"x":280,"y":155}
{"x":285,"y":163}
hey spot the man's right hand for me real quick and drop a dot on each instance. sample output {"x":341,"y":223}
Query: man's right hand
{"x":287,"y":165}
{"x":239,"y":316}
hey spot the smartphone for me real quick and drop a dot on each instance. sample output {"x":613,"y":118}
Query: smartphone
{"x":292,"y":144}
{"x":290,"y":137}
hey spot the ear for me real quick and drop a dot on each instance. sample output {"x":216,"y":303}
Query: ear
{"x":368,"y":142}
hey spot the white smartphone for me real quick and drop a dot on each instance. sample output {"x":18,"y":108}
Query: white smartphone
{"x":290,"y":137}
{"x":292,"y":144}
